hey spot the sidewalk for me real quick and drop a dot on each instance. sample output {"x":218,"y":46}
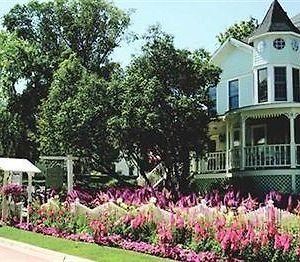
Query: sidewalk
{"x":13,"y":251}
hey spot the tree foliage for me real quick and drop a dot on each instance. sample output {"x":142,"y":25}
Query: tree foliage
{"x":239,"y":31}
{"x":164,"y":105}
{"x":90,"y":29}
{"x":16,"y":57}
{"x":74,"y":117}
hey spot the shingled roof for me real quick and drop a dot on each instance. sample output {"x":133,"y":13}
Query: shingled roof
{"x":276,"y":20}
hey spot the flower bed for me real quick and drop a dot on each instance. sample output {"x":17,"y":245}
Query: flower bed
{"x":213,"y":228}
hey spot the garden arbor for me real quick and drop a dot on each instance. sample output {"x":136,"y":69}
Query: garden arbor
{"x":17,"y":166}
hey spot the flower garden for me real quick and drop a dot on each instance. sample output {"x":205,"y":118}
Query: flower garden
{"x":212,"y":227}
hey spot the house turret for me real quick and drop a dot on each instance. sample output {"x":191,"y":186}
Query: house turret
{"x":276,"y":57}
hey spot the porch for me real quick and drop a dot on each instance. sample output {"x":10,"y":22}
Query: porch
{"x":256,"y":157}
{"x":255,"y":140}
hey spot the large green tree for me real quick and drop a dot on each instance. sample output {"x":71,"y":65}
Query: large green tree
{"x":15,"y":57}
{"x":91,"y":29}
{"x":74,"y":116}
{"x":240,"y":31}
{"x":163,"y":106}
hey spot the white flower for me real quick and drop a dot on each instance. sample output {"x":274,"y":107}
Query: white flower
{"x":223,"y":209}
{"x":270,"y":203}
{"x":153,"y":200}
{"x":242,"y":210}
{"x":119,"y":200}
{"x":203,"y":202}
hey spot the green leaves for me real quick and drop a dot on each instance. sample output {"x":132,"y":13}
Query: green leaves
{"x":74,"y":117}
{"x":239,"y":31}
{"x":43,"y":38}
{"x":164,"y":93}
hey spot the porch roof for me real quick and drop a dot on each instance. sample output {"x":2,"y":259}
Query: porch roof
{"x":265,"y":110}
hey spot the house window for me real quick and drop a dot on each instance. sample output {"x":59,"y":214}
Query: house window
{"x":279,"y":43}
{"x":212,"y":93}
{"x":280,"y":83}
{"x":296,"y":85}
{"x":233,"y":94}
{"x":262,"y":76}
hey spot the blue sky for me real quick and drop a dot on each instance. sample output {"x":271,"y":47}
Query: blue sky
{"x":194,"y":23}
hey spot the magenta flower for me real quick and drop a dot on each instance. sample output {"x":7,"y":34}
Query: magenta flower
{"x":283,"y":242}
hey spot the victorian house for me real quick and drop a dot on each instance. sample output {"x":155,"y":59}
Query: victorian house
{"x":256,"y":133}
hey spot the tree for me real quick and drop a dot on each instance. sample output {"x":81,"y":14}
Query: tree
{"x":74,"y":117}
{"x":89,"y":28}
{"x":163,"y":106}
{"x":239,"y":31}
{"x":15,"y":57}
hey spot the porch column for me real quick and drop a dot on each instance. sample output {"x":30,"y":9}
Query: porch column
{"x":292,"y":117}
{"x":227,"y":147}
{"x":243,"y":141}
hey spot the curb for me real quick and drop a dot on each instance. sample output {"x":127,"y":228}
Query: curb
{"x":46,"y":254}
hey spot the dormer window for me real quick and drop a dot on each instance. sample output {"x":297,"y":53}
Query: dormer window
{"x":279,"y":43}
{"x":233,"y":88}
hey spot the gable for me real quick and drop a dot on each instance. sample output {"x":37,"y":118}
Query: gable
{"x":234,"y":61}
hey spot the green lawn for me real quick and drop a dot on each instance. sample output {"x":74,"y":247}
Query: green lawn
{"x":85,"y":250}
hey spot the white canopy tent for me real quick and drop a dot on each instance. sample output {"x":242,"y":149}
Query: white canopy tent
{"x":17,"y":165}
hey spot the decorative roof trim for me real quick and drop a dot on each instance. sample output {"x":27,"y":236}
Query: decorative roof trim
{"x":264,"y":110}
{"x":251,"y":39}
{"x":233,"y":42}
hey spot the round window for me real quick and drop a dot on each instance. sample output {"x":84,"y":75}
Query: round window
{"x":261,"y":46}
{"x":295,"y":45}
{"x":279,"y":43}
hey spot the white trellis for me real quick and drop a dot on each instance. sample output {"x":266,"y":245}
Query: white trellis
{"x":69,"y":160}
{"x":18,"y":166}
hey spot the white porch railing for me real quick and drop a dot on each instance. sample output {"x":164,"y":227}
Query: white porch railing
{"x":214,"y":162}
{"x":234,"y":158}
{"x":262,"y":156}
{"x":267,"y":156}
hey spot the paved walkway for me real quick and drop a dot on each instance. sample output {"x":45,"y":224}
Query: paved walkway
{"x":13,"y":251}
{"x":13,"y":255}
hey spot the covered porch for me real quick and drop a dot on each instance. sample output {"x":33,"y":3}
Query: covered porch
{"x":265,"y":138}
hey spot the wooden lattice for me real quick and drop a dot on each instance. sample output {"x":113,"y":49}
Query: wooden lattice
{"x":207,"y":184}
{"x":297,"y":184}
{"x":282,"y":183}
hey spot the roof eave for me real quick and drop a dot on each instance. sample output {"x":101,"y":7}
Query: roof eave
{"x":251,"y":39}
{"x":234,"y":42}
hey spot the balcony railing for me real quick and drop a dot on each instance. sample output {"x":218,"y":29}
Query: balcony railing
{"x":214,"y":162}
{"x":255,"y":157}
{"x":267,"y":156}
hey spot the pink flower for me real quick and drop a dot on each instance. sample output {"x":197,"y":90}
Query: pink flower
{"x":263,"y":237}
{"x":283,"y":242}
{"x":138,"y":221}
{"x":164,"y":234}
{"x":297,"y":250}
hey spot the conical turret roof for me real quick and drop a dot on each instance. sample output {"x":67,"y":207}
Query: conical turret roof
{"x":276,"y":20}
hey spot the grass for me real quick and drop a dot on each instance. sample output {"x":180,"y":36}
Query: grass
{"x":80,"y":249}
